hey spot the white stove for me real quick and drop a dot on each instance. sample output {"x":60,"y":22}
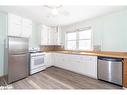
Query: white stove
{"x":37,"y":61}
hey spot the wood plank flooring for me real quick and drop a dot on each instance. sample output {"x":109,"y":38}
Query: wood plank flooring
{"x":57,"y":78}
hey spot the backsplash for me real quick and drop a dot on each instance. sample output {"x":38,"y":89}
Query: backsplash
{"x":97,"y":47}
{"x":51,"y":47}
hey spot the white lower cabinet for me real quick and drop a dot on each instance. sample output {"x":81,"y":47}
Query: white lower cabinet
{"x":86,"y":65}
{"x":49,"y":59}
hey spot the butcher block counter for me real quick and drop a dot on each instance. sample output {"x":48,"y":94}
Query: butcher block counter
{"x":96,"y":53}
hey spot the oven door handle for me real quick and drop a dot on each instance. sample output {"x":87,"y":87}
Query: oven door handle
{"x":38,"y":57}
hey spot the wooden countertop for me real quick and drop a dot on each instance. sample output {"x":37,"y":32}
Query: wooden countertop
{"x":95,"y":53}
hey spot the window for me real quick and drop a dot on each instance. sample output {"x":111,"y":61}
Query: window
{"x":79,"y":40}
{"x":85,"y":40}
{"x":71,"y":41}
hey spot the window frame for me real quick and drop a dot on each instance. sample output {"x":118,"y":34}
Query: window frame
{"x":70,"y":40}
{"x":77,"y":39}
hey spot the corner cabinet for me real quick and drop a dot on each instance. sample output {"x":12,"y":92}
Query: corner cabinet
{"x":19,"y":26}
{"x":49,"y":35}
{"x":86,"y":65}
{"x":49,"y":59}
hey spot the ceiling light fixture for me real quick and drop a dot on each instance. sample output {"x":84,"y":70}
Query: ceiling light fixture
{"x":55,"y":11}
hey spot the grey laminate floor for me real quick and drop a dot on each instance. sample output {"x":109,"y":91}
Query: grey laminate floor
{"x":56,"y":78}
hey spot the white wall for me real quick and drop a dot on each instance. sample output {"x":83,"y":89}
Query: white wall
{"x":34,"y":40}
{"x":109,"y":31}
{"x":3,"y":35}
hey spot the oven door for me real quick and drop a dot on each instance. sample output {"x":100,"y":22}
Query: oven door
{"x":37,"y":61}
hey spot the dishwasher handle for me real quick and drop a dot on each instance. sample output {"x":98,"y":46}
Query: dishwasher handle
{"x":110,"y":59}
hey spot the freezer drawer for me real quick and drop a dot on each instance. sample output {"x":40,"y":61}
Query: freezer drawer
{"x":110,"y":69}
{"x":17,"y":67}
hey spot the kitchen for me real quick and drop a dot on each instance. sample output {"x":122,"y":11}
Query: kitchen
{"x":63,"y":50}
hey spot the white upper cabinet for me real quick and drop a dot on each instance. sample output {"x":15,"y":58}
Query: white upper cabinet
{"x":59,"y":36}
{"x":26,"y":28}
{"x":44,"y":35}
{"x":18,"y":26}
{"x":49,"y":35}
{"x":53,"y":36}
{"x":14,"y":25}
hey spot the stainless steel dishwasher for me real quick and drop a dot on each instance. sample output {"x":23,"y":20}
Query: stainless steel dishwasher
{"x":110,"y":69}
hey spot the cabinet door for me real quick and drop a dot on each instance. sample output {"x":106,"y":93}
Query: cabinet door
{"x":49,"y":60}
{"x":14,"y":25}
{"x":52,"y":36}
{"x":26,"y":28}
{"x":44,"y":35}
{"x":60,"y":35}
{"x":86,"y":65}
{"x":14,"y":30}
{"x":14,"y":19}
{"x":90,"y":64}
{"x":55,"y":36}
{"x":27,"y":31}
{"x":59,"y":60}
{"x":49,"y":35}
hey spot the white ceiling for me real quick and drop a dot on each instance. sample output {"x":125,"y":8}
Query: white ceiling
{"x":42,"y":15}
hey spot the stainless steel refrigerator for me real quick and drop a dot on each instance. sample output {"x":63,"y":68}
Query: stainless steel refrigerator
{"x":16,"y":58}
